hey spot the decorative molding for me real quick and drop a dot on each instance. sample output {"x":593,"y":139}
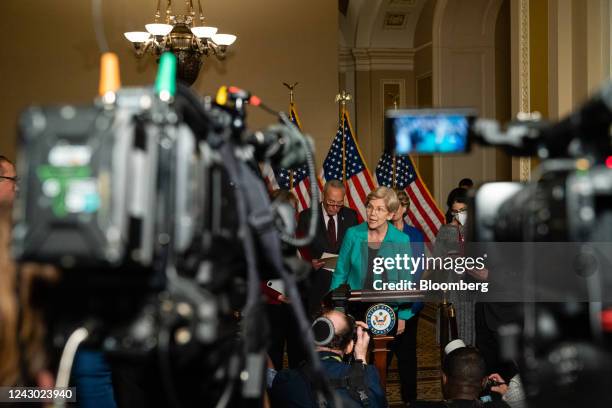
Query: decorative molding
{"x":524,"y":79}
{"x":378,"y":59}
{"x":346,"y":62}
{"x":395,"y":20}
{"x":375,"y":59}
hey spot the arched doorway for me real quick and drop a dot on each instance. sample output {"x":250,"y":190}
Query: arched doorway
{"x":464,"y":45}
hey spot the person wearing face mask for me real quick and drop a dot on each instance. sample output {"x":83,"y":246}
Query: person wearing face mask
{"x":456,"y":192}
{"x":450,"y":242}
{"x":460,"y":216}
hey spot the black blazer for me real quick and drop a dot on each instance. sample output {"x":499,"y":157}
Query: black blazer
{"x":346,"y":218}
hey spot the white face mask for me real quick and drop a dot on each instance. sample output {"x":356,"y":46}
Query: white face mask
{"x":461,"y":218}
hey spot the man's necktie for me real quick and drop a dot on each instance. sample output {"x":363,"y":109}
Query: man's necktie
{"x":331,"y":232}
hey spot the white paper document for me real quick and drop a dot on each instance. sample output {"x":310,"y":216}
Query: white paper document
{"x":330,"y":260}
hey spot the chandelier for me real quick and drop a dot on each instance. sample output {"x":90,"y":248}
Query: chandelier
{"x":178,"y":34}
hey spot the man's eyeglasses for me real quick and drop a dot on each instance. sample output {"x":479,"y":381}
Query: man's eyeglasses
{"x":455,"y":212}
{"x":14,"y":179}
{"x":334,"y":204}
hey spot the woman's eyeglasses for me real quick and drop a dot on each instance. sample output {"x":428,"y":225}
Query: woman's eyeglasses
{"x":377,"y":210}
{"x":455,"y":212}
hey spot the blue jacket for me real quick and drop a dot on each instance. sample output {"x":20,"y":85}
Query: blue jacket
{"x":353,"y":259}
{"x":417,"y":244}
{"x":290,"y":388}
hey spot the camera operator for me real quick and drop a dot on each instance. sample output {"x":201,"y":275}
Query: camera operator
{"x":464,"y":377}
{"x":358,"y":381}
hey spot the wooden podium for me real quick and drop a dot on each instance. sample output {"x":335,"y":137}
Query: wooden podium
{"x":341,"y":297}
{"x":380,"y":357}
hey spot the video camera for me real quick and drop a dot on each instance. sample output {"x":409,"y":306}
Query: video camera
{"x":565,"y":346}
{"x":571,"y":201}
{"x":152,"y":203}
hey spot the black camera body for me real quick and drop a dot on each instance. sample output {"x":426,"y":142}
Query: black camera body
{"x":97,"y":181}
{"x":159,"y":219}
{"x":563,"y":206}
{"x":491,"y":383}
{"x":569,"y":201}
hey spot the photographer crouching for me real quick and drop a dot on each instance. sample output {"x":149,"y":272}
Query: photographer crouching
{"x":356,"y":382}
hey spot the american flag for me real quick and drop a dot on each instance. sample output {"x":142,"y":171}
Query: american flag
{"x":295,"y":180}
{"x":423,"y":213}
{"x":358,"y":181}
{"x":269,"y":177}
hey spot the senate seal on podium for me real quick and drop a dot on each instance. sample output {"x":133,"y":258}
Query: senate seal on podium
{"x":380,"y":319}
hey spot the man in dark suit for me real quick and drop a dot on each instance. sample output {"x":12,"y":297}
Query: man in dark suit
{"x":334,"y":220}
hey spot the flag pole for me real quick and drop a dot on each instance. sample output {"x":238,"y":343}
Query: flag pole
{"x":343,"y":98}
{"x":394,"y":182}
{"x":291,"y":92}
{"x":291,"y":105}
{"x":394,"y":166}
{"x":343,"y":148}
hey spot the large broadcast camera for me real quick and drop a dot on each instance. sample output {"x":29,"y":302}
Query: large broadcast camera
{"x":151,"y":203}
{"x":563,"y":348}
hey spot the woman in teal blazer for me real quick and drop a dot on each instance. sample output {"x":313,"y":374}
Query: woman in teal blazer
{"x":377,"y":237}
{"x":363,"y":242}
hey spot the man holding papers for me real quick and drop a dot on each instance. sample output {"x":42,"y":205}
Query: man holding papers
{"x":334,"y":220}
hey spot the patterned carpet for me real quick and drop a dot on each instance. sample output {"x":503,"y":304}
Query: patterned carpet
{"x":428,"y":361}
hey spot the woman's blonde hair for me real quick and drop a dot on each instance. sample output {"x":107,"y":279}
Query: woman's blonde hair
{"x":387,"y":195}
{"x":21,"y":325}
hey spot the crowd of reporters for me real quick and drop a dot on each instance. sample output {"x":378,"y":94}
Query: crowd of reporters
{"x":24,"y":341}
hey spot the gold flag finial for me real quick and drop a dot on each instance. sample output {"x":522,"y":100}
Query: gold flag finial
{"x":343,"y":98}
{"x":291,"y":92}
